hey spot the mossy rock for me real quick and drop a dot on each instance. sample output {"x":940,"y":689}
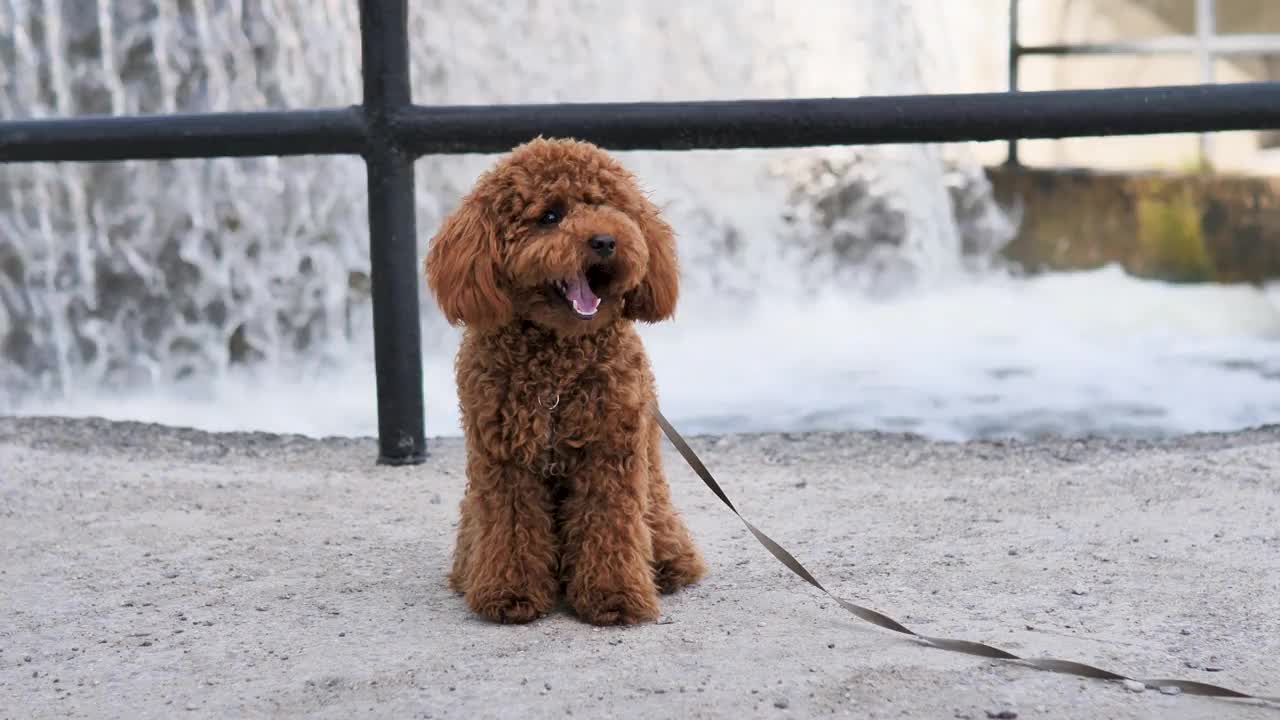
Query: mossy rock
{"x":1171,"y":240}
{"x":1196,"y":227}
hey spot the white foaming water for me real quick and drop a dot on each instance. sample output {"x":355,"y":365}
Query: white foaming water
{"x":231,"y":294}
{"x":1070,"y":354}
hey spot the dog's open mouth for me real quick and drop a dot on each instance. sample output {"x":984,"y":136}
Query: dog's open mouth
{"x":583,"y":290}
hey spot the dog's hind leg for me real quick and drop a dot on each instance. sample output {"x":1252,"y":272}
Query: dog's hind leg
{"x":676,"y":560}
{"x":462,"y":548}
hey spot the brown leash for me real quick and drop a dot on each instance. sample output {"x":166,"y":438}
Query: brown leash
{"x":1190,"y":687}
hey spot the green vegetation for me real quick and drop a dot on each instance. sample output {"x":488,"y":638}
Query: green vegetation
{"x":1173,"y":246}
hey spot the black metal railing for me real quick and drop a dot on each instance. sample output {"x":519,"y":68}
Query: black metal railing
{"x":390,"y":132}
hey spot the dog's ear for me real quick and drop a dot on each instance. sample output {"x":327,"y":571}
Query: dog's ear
{"x":462,"y":268}
{"x":654,"y":299}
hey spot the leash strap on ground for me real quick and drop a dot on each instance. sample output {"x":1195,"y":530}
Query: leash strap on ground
{"x":1190,"y":687}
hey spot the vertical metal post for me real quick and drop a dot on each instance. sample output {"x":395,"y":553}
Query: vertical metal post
{"x":1015,"y":55}
{"x":393,"y":272}
{"x":1206,"y":30}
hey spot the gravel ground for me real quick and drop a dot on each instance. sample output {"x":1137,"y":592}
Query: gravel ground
{"x":150,"y":571}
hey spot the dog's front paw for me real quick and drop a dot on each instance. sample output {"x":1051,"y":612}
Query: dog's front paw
{"x":615,"y":606}
{"x":507,"y":606}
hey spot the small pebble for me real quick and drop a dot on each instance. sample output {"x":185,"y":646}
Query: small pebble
{"x":1002,"y":714}
{"x":1170,"y":690}
{"x":1079,"y":591}
{"x":1185,"y":631}
{"x":781,"y":703}
{"x":1212,"y":668}
{"x":1134,"y":686}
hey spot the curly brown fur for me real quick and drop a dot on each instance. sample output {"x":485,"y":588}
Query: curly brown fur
{"x":565,"y":489}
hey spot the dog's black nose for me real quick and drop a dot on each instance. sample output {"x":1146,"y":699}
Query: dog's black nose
{"x":602,"y":244}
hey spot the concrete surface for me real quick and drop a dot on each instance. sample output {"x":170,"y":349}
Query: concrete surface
{"x":156,"y":572}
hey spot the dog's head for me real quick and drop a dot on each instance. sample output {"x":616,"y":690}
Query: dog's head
{"x":557,"y":233}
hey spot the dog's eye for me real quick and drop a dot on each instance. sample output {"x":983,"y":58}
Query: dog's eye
{"x":551,"y":216}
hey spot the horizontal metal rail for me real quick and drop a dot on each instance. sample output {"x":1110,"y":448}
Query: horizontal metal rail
{"x":165,"y":137}
{"x":658,"y":126}
{"x":854,"y":121}
{"x":1259,"y":44}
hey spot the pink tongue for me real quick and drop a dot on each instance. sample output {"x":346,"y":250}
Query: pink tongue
{"x":579,"y":294}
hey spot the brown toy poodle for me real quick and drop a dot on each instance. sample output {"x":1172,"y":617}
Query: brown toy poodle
{"x":548,"y":262}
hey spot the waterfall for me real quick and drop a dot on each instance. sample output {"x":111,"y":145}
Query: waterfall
{"x":142,"y":274}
